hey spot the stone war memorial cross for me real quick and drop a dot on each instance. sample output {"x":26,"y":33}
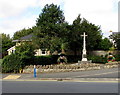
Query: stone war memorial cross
{"x":84,"y":55}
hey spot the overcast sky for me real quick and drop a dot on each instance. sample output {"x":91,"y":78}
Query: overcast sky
{"x":18,"y":14}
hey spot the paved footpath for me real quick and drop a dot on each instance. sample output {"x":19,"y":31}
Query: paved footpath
{"x":92,"y":75}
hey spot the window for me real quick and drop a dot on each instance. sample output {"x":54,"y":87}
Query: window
{"x":43,"y":52}
{"x":13,"y":51}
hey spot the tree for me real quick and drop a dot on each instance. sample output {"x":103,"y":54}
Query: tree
{"x":11,"y":63}
{"x":26,"y":53}
{"x":23,"y":32}
{"x":6,"y":43}
{"x":23,"y":56}
{"x":116,"y":38}
{"x":53,"y":33}
{"x":50,"y":28}
{"x":94,"y":35}
{"x":79,"y":26}
{"x":105,"y":44}
{"x":75,"y":40}
{"x":51,"y":14}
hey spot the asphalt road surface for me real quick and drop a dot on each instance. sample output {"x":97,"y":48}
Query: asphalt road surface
{"x":33,"y":86}
{"x":58,"y":87}
{"x":103,"y":73}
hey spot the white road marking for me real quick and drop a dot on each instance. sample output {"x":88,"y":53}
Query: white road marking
{"x":12,"y":77}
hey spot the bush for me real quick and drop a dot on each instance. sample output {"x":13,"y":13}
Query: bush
{"x":45,"y":60}
{"x":97,"y":59}
{"x":117,"y":57}
{"x":73,"y":58}
{"x":42,"y":60}
{"x":11,"y":63}
{"x":52,"y":59}
{"x":26,"y":53}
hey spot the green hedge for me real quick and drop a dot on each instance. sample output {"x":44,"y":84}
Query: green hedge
{"x":45,"y":60}
{"x":97,"y":59}
{"x":73,"y":58}
{"x":13,"y":63}
{"x":117,"y":57}
{"x":52,"y":59}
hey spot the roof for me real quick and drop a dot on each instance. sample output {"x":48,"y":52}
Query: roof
{"x":25,"y":38}
{"x":12,"y":48}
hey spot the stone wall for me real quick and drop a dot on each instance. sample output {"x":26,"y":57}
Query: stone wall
{"x":69,"y":67}
{"x":102,"y":52}
{"x":95,"y":52}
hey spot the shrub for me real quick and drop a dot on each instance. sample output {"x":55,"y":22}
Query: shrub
{"x":42,"y":60}
{"x":97,"y":59}
{"x":45,"y":60}
{"x":73,"y":58}
{"x":11,"y":63}
{"x":26,"y":53}
{"x":117,"y":57}
{"x":52,"y":59}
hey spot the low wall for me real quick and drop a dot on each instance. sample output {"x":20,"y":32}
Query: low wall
{"x":102,"y":52}
{"x":69,"y":67}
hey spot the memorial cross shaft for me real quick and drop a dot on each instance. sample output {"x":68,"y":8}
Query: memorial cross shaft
{"x":84,"y":55}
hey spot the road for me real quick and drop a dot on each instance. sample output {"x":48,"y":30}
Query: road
{"x":95,"y":81}
{"x":104,"y":73}
{"x":58,"y":87}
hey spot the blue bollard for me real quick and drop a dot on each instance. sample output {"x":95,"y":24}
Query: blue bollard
{"x":35,"y":72}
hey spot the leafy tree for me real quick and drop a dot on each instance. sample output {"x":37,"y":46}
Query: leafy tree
{"x":23,"y":32}
{"x":54,"y":33}
{"x":77,"y":29}
{"x":75,"y":40}
{"x":116,"y":38}
{"x":51,"y":28}
{"x":6,"y":43}
{"x":26,"y":52}
{"x":94,"y":35}
{"x":51,"y":14}
{"x":105,"y":44}
{"x":11,"y":63}
{"x":24,"y":55}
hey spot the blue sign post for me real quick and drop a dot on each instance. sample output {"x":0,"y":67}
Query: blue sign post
{"x":35,"y":74}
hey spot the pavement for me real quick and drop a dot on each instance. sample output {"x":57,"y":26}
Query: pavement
{"x":63,"y":76}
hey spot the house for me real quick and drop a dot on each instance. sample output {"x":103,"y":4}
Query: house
{"x":28,"y":38}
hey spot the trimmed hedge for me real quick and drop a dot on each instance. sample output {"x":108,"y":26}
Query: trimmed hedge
{"x":73,"y":58}
{"x":97,"y":59}
{"x":13,"y":63}
{"x":117,"y":57}
{"x":52,"y":59}
{"x":45,"y":60}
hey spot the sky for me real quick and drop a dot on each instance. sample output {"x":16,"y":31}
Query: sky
{"x":18,"y":14}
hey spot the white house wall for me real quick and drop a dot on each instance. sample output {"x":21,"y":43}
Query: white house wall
{"x":38,"y":52}
{"x":11,"y":50}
